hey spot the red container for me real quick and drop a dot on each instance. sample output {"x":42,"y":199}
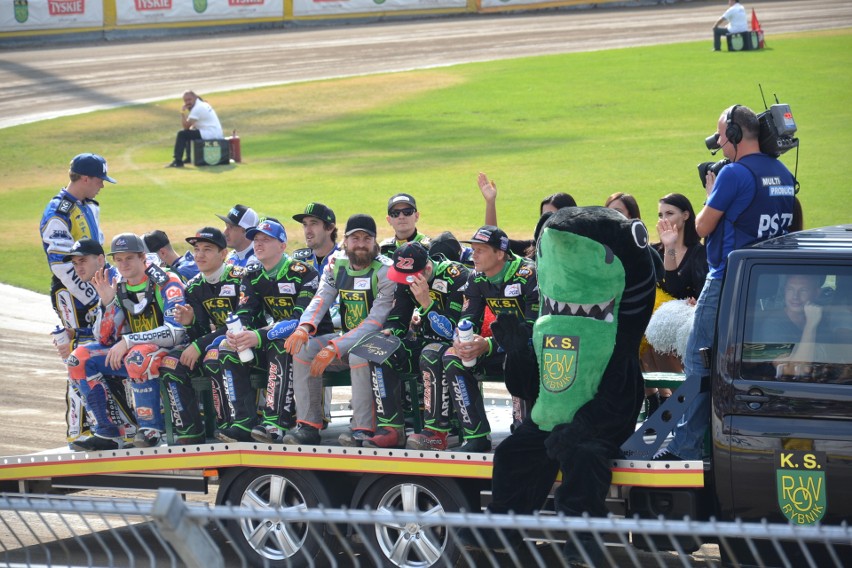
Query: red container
{"x":234,"y":145}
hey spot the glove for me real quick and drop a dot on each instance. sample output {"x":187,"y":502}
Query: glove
{"x":322,"y":360}
{"x":282,"y":330}
{"x":296,"y":340}
{"x":512,"y":335}
{"x":561,"y":444}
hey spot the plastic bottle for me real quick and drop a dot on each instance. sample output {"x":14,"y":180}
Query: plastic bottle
{"x":234,"y":326}
{"x":465,"y":329}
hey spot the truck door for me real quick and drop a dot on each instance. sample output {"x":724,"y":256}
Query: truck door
{"x":785,"y":404}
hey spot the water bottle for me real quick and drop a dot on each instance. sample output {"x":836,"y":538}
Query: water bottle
{"x":234,"y":326}
{"x":465,"y":329}
{"x":60,"y":336}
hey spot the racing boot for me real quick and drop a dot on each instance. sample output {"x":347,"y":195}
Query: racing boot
{"x":147,"y":437}
{"x":97,"y":444}
{"x":303,"y":435}
{"x":428,"y":439}
{"x":268,"y":434}
{"x":385,"y":437}
{"x":233,"y":434}
{"x":354,"y":438}
{"x":480,"y":444}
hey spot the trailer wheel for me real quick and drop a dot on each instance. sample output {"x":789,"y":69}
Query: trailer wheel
{"x":271,"y":542}
{"x":414,"y":545}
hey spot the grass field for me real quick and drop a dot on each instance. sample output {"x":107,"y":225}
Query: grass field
{"x":591,"y":124}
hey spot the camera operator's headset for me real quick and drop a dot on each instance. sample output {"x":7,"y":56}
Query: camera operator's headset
{"x":733,"y":131}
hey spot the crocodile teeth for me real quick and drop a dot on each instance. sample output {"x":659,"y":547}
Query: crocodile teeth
{"x":602,"y":311}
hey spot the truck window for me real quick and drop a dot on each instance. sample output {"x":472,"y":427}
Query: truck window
{"x":799,"y":324}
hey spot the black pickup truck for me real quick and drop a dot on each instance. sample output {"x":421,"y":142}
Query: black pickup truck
{"x":780,"y":439}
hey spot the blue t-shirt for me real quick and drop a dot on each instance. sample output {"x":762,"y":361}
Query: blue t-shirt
{"x":756,"y":195}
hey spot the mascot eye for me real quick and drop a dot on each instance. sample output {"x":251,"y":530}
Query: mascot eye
{"x":610,"y":256}
{"x":640,"y":234}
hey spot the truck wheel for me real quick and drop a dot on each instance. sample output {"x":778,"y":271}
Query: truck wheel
{"x":414,"y":545}
{"x":269,"y":542}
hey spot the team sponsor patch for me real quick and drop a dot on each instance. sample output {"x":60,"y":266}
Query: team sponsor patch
{"x":453,"y":271}
{"x":298,"y":267}
{"x":65,"y":206}
{"x":60,"y":235}
{"x":439,"y":285}
{"x":169,"y":363}
{"x":800,"y":480}
{"x":524,"y":272}
{"x":173,"y":292}
{"x":512,"y":290}
{"x":361,"y":284}
{"x":157,"y":274}
{"x":211,"y":355}
{"x":505,"y":306}
{"x":286,"y":288}
{"x":228,"y":290}
{"x":356,"y":306}
{"x":559,"y":361}
{"x":72,"y":361}
{"x":144,"y":413}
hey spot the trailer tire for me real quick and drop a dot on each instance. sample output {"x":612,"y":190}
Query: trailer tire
{"x":267,"y":542}
{"x":423,"y":545}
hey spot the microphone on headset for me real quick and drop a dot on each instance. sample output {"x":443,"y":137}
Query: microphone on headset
{"x":714,"y":152}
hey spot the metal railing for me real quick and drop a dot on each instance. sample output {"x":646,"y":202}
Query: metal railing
{"x":166,"y":531}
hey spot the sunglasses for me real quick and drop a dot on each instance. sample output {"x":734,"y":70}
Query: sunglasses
{"x":408,"y":212}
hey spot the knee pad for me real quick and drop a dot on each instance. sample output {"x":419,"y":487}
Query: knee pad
{"x":143,"y":361}
{"x":210,"y":363}
{"x":76,"y":363}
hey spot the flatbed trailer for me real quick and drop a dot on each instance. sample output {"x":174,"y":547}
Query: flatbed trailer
{"x":266,"y":476}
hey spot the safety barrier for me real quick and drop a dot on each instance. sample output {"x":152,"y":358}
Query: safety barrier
{"x":167,"y":531}
{"x":113,"y":18}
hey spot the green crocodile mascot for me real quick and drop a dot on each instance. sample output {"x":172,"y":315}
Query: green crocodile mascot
{"x":597,"y":284}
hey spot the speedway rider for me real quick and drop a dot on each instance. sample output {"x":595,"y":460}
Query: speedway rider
{"x":434,"y":290}
{"x":135,"y":327}
{"x":506,"y":284}
{"x":277,"y":288}
{"x":210,"y":297}
{"x":359,"y":275}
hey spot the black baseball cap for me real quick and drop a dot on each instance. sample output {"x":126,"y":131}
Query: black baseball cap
{"x":360,"y":222}
{"x":126,"y":242}
{"x":155,"y":240}
{"x":319,"y":211}
{"x":209,"y":235}
{"x":401,"y":198}
{"x":446,"y":245}
{"x":91,"y":165}
{"x":492,"y":236}
{"x":409,"y":260}
{"x":82,"y":248}
{"x":242,"y":216}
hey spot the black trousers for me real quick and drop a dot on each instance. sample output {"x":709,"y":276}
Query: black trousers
{"x":182,"y":142}
{"x":523,"y":475}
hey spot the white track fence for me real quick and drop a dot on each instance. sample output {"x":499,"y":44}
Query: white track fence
{"x":166,"y":531}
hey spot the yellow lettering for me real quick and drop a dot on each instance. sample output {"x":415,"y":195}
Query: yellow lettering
{"x":814,"y":488}
{"x":548,"y":342}
{"x":809,"y":461}
{"x":567,"y":343}
{"x":787,"y":485}
{"x":785,"y":461}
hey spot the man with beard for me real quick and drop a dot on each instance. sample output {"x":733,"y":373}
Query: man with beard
{"x":360,"y":277}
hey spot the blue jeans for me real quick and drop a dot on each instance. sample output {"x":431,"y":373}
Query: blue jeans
{"x":688,"y":442}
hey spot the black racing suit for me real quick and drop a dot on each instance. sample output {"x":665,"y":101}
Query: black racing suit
{"x":390,"y":244}
{"x":515,"y":293}
{"x":435,"y":335}
{"x":211,"y":303}
{"x":278,"y":296}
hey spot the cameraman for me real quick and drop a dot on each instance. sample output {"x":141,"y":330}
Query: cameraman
{"x":750,"y":200}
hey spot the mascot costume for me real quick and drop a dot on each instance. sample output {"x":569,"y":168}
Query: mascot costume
{"x":597,"y":284}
